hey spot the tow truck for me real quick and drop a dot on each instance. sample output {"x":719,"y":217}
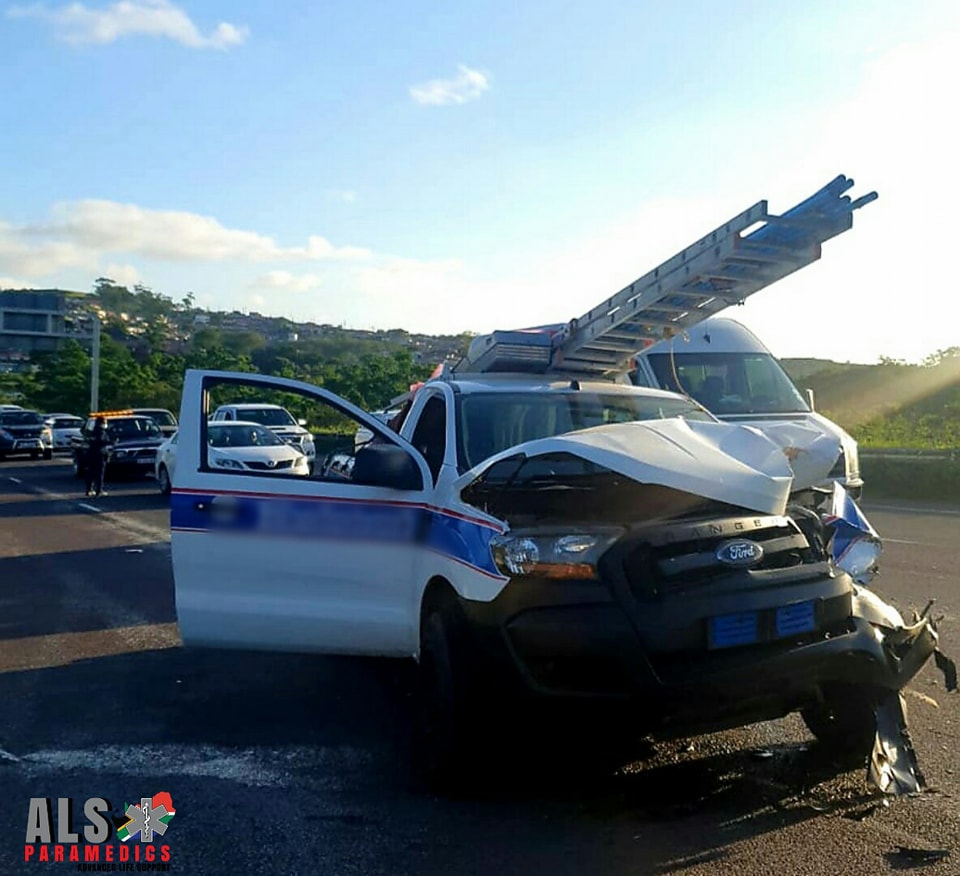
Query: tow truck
{"x":532,"y":524}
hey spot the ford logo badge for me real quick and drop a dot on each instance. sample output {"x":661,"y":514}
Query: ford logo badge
{"x":740,"y":553}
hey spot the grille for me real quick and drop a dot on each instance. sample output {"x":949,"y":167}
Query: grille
{"x":257,"y":465}
{"x":663,"y":560}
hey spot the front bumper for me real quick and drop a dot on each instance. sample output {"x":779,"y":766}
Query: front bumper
{"x":141,"y":463}
{"x":22,"y":446}
{"x":575,"y":641}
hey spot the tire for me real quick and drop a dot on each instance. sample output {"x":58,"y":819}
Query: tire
{"x":163,"y":480}
{"x":845,"y":723}
{"x":445,"y":730}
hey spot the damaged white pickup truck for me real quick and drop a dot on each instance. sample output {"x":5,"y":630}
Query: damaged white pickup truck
{"x":581,"y":541}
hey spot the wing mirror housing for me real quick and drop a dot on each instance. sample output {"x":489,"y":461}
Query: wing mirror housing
{"x":386,"y":465}
{"x":301,"y":422}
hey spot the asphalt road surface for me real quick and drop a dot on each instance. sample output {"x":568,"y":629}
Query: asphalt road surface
{"x":295,"y":765}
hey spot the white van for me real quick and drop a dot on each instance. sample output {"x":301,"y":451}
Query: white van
{"x":726,"y":368}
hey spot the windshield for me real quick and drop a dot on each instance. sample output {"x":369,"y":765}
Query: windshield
{"x":67,"y":423}
{"x":161,"y":418}
{"x":730,"y":383}
{"x":267,"y":416}
{"x":240,"y":436}
{"x":491,"y":422}
{"x":134,"y":427}
{"x":21,"y":418}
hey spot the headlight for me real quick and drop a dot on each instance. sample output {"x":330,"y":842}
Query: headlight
{"x":120,"y":453}
{"x":560,"y":555}
{"x":5,"y":435}
{"x":300,"y":462}
{"x":228,"y":463}
{"x":861,"y":559}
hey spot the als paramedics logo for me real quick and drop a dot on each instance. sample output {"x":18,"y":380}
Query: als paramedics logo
{"x":141,"y":821}
{"x":739,"y":553}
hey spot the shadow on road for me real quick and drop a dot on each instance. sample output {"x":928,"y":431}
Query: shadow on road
{"x":250,"y":717}
{"x":82,"y":590}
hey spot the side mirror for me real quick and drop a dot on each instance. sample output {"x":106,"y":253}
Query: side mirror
{"x":386,"y":465}
{"x":810,"y":399}
{"x":301,"y":422}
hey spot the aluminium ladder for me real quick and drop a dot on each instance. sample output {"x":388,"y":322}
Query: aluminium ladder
{"x":717,"y":271}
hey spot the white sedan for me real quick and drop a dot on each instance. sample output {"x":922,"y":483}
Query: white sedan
{"x":66,"y":429}
{"x":236,"y":446}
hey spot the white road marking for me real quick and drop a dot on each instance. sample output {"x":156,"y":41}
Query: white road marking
{"x":16,"y":480}
{"x":911,"y":508}
{"x":330,"y":766}
{"x":87,"y":507}
{"x":904,"y":541}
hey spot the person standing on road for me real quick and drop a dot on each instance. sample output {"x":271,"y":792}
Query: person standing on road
{"x":98,"y":447}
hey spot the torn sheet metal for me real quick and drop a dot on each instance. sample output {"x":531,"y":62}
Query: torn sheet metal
{"x":736,"y":465}
{"x":893,"y":766}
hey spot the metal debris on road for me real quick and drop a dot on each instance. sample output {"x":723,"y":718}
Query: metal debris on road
{"x":921,"y":856}
{"x":893,"y":766}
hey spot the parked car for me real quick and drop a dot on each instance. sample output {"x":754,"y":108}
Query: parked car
{"x":135,"y":441}
{"x":239,"y":447}
{"x":67,"y":430}
{"x":162,"y":417}
{"x":277,"y":419}
{"x":24,"y":433}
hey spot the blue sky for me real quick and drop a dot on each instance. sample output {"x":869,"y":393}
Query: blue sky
{"x":470,"y":166}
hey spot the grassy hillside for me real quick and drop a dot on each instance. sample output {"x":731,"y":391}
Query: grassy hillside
{"x":890,"y":404}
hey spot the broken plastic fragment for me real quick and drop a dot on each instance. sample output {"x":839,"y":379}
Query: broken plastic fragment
{"x":947,"y":667}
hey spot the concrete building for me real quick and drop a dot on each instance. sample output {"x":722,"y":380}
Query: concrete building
{"x":31,"y":321}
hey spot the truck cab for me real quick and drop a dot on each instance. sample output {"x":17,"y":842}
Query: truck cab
{"x":727,"y":369}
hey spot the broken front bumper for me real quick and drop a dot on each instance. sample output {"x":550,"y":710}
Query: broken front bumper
{"x":577,"y":641}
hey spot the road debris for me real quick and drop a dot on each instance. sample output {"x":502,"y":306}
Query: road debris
{"x":893,"y":766}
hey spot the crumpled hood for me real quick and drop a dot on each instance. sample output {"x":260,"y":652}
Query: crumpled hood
{"x":732,"y":464}
{"x":812,"y":452}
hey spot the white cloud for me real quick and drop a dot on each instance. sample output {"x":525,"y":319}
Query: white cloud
{"x":288,"y":281}
{"x":467,"y":85}
{"x":80,"y":232}
{"x":123,"y":275}
{"x":11,"y":283}
{"x":79,"y":24}
{"x":348,"y":196}
{"x":37,"y":258}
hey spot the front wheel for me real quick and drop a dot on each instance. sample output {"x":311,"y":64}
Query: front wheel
{"x":446,"y":711}
{"x":48,"y":454}
{"x":163,"y":480}
{"x":845,"y":722}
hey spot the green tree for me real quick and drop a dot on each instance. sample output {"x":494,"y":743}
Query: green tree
{"x":61,"y":381}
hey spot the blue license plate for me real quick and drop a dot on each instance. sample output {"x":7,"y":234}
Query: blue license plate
{"x":793,"y":619}
{"x":731,"y":630}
